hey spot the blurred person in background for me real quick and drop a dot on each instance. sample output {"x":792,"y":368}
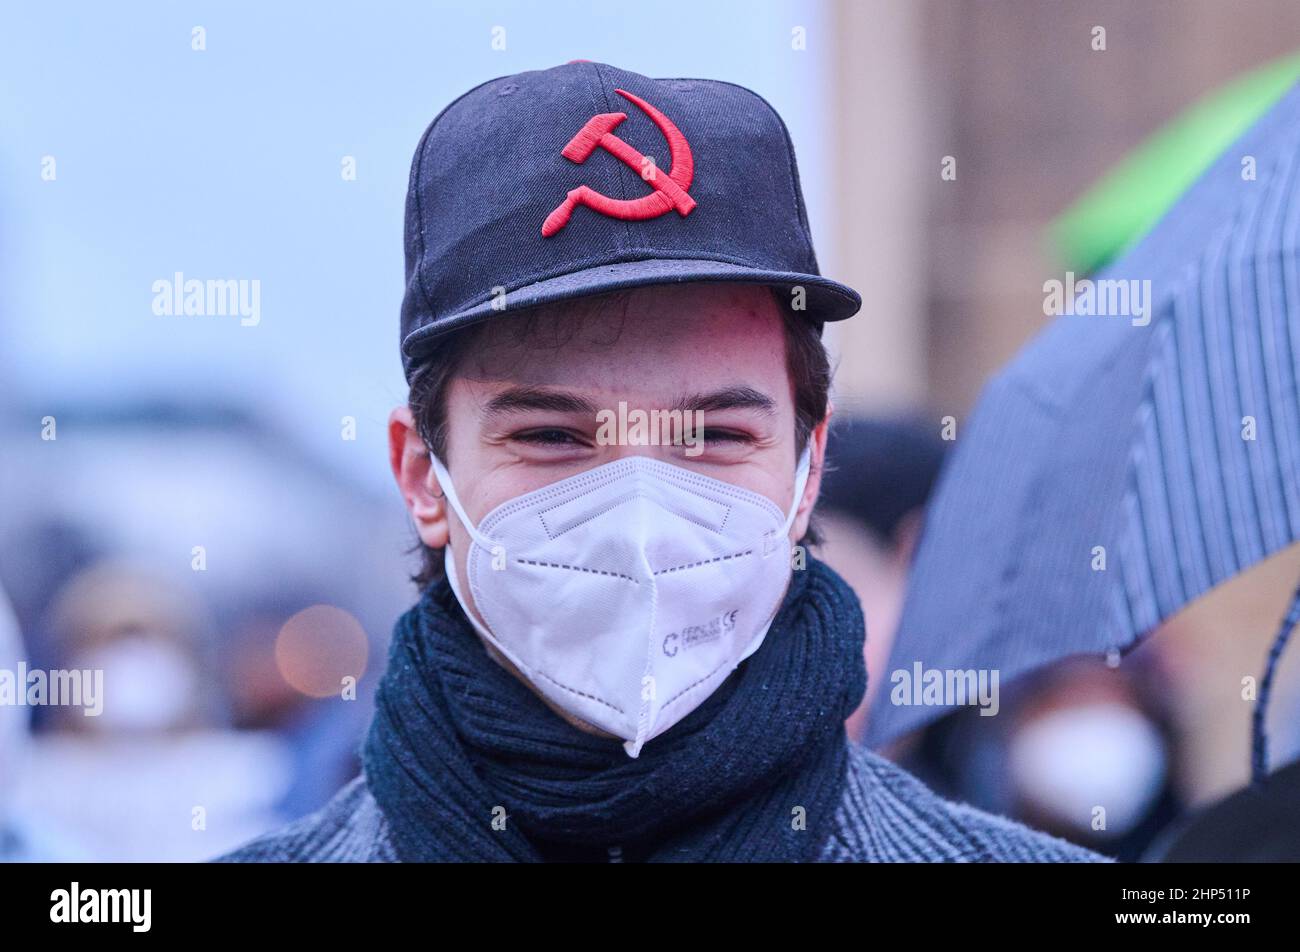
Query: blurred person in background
{"x":879,"y":474}
{"x":154,"y":775}
{"x":179,"y":472}
{"x":1092,"y":754}
{"x":1084,"y":750}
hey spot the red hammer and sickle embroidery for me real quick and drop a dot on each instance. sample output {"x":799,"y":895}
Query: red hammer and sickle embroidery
{"x":670,"y":191}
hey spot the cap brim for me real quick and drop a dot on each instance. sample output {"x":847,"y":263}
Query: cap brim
{"x":824,"y":299}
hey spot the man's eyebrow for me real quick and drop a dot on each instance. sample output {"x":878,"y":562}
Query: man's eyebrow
{"x":728,"y":398}
{"x":538,"y":398}
{"x":516,"y":399}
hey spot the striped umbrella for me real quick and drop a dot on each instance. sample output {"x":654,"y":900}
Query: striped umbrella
{"x":1125,"y":463}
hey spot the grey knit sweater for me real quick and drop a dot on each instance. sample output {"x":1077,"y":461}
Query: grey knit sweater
{"x":885,"y":815}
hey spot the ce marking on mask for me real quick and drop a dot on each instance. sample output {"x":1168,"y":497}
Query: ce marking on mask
{"x":693,"y":635}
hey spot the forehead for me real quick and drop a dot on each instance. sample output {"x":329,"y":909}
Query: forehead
{"x":648,"y":341}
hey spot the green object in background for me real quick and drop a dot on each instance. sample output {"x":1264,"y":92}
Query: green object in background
{"x":1132,"y":196}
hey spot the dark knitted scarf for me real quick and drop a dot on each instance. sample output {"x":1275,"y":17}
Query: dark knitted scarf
{"x":755,"y":773}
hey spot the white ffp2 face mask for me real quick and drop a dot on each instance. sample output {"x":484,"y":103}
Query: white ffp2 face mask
{"x":627,"y":594}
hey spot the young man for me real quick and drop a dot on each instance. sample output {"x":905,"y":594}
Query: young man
{"x":620,"y":652}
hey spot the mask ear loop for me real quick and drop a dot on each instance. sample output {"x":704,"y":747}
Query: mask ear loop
{"x":774,"y":541}
{"x":800,"y":484}
{"x":449,"y":563}
{"x":444,"y":480}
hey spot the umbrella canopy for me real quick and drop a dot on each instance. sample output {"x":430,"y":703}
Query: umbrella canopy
{"x":1121,"y":466}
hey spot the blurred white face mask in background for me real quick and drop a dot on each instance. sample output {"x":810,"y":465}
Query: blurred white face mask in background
{"x":1070,"y":761}
{"x":627,"y":594}
{"x":149,"y":684}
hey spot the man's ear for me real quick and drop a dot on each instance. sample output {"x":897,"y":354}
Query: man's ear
{"x":817,"y":440}
{"x":424,"y":498}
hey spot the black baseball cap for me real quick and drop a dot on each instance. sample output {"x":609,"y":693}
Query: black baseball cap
{"x":563,"y":183}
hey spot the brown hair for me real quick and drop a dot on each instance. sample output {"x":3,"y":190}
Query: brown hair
{"x":806,"y":362}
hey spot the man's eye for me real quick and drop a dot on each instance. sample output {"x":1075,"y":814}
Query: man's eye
{"x":547,"y":437}
{"x":726,"y":436}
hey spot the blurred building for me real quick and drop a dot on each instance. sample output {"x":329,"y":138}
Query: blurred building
{"x":952,"y":271}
